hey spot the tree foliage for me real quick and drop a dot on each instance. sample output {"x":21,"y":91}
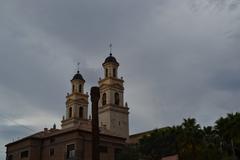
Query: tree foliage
{"x":191,"y":141}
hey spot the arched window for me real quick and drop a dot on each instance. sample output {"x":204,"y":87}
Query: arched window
{"x":73,"y":88}
{"x":106,"y":72}
{"x":104,"y":99}
{"x":114,"y":72}
{"x":116,"y":96}
{"x":80,"y":88}
{"x":70,"y":112}
{"x":81,"y":112}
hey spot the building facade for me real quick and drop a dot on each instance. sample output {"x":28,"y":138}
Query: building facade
{"x":73,"y":141}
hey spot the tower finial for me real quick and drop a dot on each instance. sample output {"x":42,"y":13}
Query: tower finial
{"x":78,"y":66}
{"x":110,"y":47}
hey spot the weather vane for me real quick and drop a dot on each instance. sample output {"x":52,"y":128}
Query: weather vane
{"x":110,"y":47}
{"x":78,"y":66}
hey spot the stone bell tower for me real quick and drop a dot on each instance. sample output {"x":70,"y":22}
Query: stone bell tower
{"x":113,"y":114}
{"x":76,"y":104}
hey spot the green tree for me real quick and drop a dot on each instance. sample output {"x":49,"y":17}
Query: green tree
{"x":228,"y":129}
{"x":211,"y":146}
{"x":190,"y":140}
{"x":158,"y":144}
{"x":130,"y":152}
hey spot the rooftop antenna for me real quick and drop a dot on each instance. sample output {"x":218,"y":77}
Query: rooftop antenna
{"x":110,"y":48}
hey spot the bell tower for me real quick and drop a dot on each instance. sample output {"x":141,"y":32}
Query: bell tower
{"x":76,"y":103}
{"x":113,"y":114}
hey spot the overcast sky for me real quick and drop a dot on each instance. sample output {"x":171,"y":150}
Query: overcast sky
{"x":179,"y":59}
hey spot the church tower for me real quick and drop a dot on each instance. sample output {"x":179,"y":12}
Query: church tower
{"x":76,"y":104}
{"x":113,"y":114}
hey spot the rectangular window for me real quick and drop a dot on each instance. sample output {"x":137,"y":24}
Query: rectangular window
{"x":52,"y":140}
{"x":103,"y":149}
{"x":70,"y":151}
{"x":24,"y":154}
{"x":51,"y":152}
{"x":117,"y":152}
{"x":10,"y":157}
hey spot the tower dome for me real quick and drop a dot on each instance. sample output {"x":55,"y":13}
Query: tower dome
{"x":110,"y":59}
{"x":78,"y":76}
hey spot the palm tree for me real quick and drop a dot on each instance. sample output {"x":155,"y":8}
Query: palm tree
{"x":211,"y":145}
{"x":190,"y":139}
{"x":228,"y":129}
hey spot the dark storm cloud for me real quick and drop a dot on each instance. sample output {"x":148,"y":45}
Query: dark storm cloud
{"x":178,"y":58}
{"x":85,"y":23}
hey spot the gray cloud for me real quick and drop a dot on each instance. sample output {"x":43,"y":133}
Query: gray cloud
{"x":178,"y":58}
{"x":10,"y":133}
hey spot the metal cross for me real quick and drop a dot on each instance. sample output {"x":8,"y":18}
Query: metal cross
{"x":110,"y":47}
